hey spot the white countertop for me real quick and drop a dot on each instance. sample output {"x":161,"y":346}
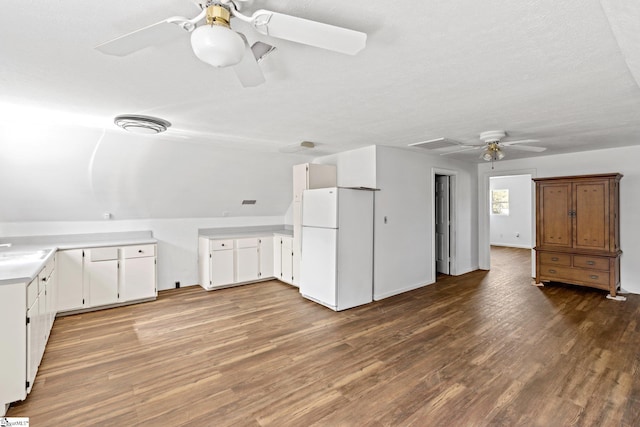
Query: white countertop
{"x":26,"y":271}
{"x":239,"y":233}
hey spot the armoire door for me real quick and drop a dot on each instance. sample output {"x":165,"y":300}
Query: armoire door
{"x":591,"y":226}
{"x":554,"y":218}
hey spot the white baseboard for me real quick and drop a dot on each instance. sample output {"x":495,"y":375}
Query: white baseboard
{"x":510,"y":245}
{"x":378,"y":297}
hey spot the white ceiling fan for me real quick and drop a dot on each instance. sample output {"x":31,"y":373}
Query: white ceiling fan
{"x":493,"y":144}
{"x":214,"y":42}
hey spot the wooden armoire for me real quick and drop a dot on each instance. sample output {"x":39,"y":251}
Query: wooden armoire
{"x":578,"y":230}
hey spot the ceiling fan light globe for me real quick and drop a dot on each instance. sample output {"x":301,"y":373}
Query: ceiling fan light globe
{"x":217,"y":45}
{"x":500,"y":154}
{"x":486,"y":156}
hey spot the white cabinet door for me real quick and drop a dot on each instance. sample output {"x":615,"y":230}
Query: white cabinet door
{"x":247,"y":263}
{"x":277,"y":258}
{"x":265,"y":250}
{"x":33,"y":345}
{"x":70,"y":280}
{"x":287,"y":260}
{"x":139,"y":279}
{"x":221,"y":268}
{"x":103,"y":282}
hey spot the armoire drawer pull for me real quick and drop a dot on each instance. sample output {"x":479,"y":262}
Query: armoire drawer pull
{"x":552,"y":271}
{"x":591,"y":263}
{"x":593,"y":276}
{"x":555,"y":258}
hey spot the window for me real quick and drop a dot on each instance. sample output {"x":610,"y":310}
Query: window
{"x":499,"y":202}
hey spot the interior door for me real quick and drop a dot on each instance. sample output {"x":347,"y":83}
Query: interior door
{"x":442,"y":224}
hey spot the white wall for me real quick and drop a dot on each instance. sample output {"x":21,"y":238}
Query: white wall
{"x":177,"y":239}
{"x":513,"y":230}
{"x":403,"y":247}
{"x":67,"y":173}
{"x":624,"y":160}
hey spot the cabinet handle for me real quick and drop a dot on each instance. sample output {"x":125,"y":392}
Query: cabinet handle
{"x":593,"y":276}
{"x":591,"y":263}
{"x":222,"y":244}
{"x":139,"y":251}
{"x":44,"y":279}
{"x":555,"y":258}
{"x":552,"y":271}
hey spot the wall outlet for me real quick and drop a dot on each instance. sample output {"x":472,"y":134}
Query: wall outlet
{"x":177,"y":285}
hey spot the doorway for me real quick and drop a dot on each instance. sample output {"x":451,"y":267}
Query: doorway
{"x":444,"y":224}
{"x":515,"y":237}
{"x":443,"y":221}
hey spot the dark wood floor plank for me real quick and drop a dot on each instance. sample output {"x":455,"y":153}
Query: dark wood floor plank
{"x":485,"y":348}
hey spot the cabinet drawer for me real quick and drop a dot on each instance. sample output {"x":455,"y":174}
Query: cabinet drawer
{"x":591,"y":262}
{"x":574,"y":274}
{"x":32,"y":292}
{"x":139,"y":251}
{"x":220,"y":245}
{"x":555,"y":259}
{"x":251,"y":242}
{"x":103,"y":254}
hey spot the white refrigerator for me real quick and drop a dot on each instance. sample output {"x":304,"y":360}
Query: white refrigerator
{"x":336,"y":266}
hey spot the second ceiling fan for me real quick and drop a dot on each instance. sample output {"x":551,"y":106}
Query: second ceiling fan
{"x":493,"y":145}
{"x":215,"y":43}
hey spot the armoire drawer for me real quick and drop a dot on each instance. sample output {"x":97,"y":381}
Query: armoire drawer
{"x":561,"y":274}
{"x":555,"y":259}
{"x":591,"y":262}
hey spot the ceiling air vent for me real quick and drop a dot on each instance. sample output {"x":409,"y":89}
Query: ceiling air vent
{"x":248,"y":202}
{"x":136,"y":123}
{"x":435,"y":144}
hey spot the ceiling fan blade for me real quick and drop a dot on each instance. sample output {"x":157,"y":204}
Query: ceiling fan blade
{"x":308,"y":32}
{"x":528,"y":148}
{"x":151,"y":35}
{"x":462,"y":149}
{"x":522,"y":141}
{"x":248,"y":70}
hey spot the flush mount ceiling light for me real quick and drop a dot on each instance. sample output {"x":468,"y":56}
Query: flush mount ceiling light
{"x":141,"y":124}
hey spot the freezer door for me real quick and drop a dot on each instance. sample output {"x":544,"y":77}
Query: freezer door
{"x":318,"y":265}
{"x":320,"y":208}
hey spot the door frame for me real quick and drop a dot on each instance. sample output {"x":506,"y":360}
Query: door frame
{"x":453,"y":220}
{"x":484,"y":205}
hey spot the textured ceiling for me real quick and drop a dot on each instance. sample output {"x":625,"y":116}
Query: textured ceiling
{"x":548,"y":70}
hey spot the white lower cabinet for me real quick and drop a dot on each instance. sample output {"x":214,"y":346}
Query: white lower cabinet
{"x":138,"y":272}
{"x":70,"y":270}
{"x":247,"y":260}
{"x":99,"y":277}
{"x":265,"y":255}
{"x":286,"y":260}
{"x":228,"y":262}
{"x":102,"y":267}
{"x":221,"y":268}
{"x":27,"y":311}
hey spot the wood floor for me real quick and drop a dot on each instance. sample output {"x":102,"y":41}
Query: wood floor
{"x":486,"y":348}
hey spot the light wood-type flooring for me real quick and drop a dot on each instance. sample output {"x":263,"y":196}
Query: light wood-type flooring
{"x":485,"y":348}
